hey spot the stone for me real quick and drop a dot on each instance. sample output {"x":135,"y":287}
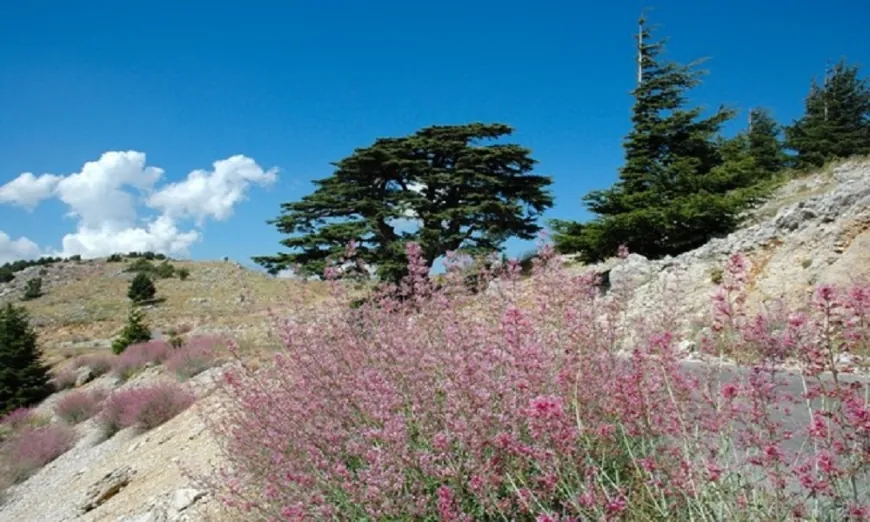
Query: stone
{"x":107,"y":487}
{"x":84,"y":375}
{"x":184,"y":498}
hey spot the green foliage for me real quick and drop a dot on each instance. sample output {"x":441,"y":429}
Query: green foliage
{"x":32,"y":289}
{"x":681,"y":183}
{"x":114,"y":258}
{"x":24,"y":378}
{"x":164,"y":270}
{"x":764,"y":143}
{"x":75,"y":258}
{"x":439,"y":187}
{"x":141,"y":288}
{"x":8,"y":270}
{"x":135,"y":331}
{"x":716,"y":275}
{"x":836,"y":120}
{"x":183,"y":273}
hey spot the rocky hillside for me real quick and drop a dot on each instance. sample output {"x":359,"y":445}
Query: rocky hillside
{"x":814,"y":230}
{"x":85,"y":303}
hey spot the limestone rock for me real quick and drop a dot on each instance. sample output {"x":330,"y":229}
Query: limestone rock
{"x":84,"y":375}
{"x":107,"y":487}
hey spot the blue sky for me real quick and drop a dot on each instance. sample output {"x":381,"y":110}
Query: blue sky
{"x":296,"y":85}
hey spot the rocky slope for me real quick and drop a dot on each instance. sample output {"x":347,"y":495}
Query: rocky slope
{"x":814,"y":230}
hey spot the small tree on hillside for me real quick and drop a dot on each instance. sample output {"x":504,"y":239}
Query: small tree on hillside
{"x":836,"y":120}
{"x":141,"y":289}
{"x":135,"y":331}
{"x":24,"y":378}
{"x":439,"y":187}
{"x":764,"y":143}
{"x":32,"y":289}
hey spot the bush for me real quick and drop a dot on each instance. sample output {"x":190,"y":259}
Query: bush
{"x":141,"y":288}
{"x":99,"y":363}
{"x":31,"y":448}
{"x":32,"y":289}
{"x":144,"y":408}
{"x":139,"y":355}
{"x":24,"y":378}
{"x":164,"y":270}
{"x":114,"y":258}
{"x":79,"y":405}
{"x":193,"y":357}
{"x":18,"y":419}
{"x":135,"y":331}
{"x":75,"y":258}
{"x":446,"y":406}
{"x":65,"y":378}
{"x":183,"y":273}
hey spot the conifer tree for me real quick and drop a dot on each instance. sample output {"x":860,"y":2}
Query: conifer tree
{"x":135,"y":331}
{"x":24,"y":378}
{"x":440,"y":187}
{"x":836,"y":120}
{"x":141,"y":288}
{"x":764,"y":144}
{"x":675,"y":190}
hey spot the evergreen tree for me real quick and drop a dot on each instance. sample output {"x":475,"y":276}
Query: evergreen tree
{"x":676,"y":190}
{"x":135,"y":331}
{"x":438,"y":187}
{"x":764,"y":144}
{"x":141,"y":288}
{"x":32,"y":289}
{"x":836,"y":120}
{"x":24,"y":378}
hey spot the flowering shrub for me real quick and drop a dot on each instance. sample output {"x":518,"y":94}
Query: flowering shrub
{"x":143,"y":407}
{"x":64,"y":379}
{"x":193,"y":357}
{"x":79,"y":405}
{"x":32,"y":447}
{"x":547,"y":403}
{"x":137,"y":356}
{"x":99,"y":363}
{"x":19,"y":419}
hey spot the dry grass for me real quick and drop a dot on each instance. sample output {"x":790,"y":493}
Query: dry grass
{"x":75,"y":315}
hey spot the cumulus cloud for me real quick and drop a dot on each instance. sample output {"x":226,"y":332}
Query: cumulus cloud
{"x":28,"y":190}
{"x":105,"y":198}
{"x":212,"y":193}
{"x":14,"y":249}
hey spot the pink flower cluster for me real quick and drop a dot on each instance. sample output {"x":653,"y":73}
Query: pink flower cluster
{"x":433,"y":402}
{"x":144,"y":407}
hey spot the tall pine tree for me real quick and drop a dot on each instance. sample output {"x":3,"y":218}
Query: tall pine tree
{"x":676,"y":190}
{"x":24,"y":378}
{"x":836,"y":120}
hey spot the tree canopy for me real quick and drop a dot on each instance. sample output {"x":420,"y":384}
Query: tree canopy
{"x":24,"y":378}
{"x":441,"y":187}
{"x":681,"y":182}
{"x":836,"y":119}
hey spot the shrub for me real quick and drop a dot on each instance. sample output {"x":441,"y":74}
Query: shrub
{"x":75,"y":258}
{"x":31,"y":448}
{"x":164,"y":270}
{"x":135,"y":331}
{"x":183,"y":273}
{"x":79,"y":405}
{"x":141,"y":289}
{"x":546,"y":404}
{"x":65,"y":378}
{"x":114,"y":258}
{"x":99,"y":363}
{"x":193,"y":357}
{"x":139,"y":355}
{"x":144,"y":407}
{"x":18,"y":419}
{"x":33,"y":289}
{"x":24,"y":378}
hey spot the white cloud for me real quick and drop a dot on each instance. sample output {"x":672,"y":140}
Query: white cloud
{"x":212,"y":194}
{"x":28,"y":190}
{"x":105,"y":198}
{"x":14,"y":249}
